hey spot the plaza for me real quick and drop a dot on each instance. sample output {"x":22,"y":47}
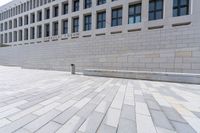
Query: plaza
{"x":39,"y":101}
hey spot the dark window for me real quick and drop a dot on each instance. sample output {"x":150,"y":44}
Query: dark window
{"x":180,"y":7}
{"x":55,"y":11}
{"x":87,"y":3}
{"x":39,"y":31}
{"x":87,"y":22}
{"x":75,"y":5}
{"x":100,"y":2}
{"x":65,"y":26}
{"x":65,"y":8}
{"x":117,"y":17}
{"x":47,"y":13}
{"x":75,"y":27}
{"x":47,"y":30}
{"x":155,"y":9}
{"x":39,"y":15}
{"x":101,"y":20}
{"x":134,"y":15}
{"x":55,"y":28}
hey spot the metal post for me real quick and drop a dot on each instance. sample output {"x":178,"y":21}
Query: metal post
{"x":72,"y":68}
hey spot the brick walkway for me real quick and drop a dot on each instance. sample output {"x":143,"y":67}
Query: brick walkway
{"x":47,"y":102}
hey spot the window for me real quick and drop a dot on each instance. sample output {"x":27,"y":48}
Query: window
{"x":75,"y":5}
{"x":155,"y":9}
{"x":25,"y":19}
{"x":10,"y":24}
{"x":75,"y":26}
{"x":47,"y":30}
{"x":20,"y":21}
{"x":26,"y":34}
{"x":87,"y":4}
{"x":65,"y":26}
{"x":134,"y":13}
{"x":64,"y":8}
{"x":39,"y":31}
{"x":15,"y":36}
{"x":39,"y":16}
{"x":32,"y":17}
{"x":117,"y":17}
{"x":55,"y":11}
{"x":6,"y":37}
{"x":1,"y":38}
{"x":180,"y":7}
{"x":47,"y":13}
{"x":32,"y":33}
{"x":100,"y":2}
{"x":55,"y":28}
{"x":15,"y":23}
{"x":20,"y":35}
{"x":87,"y":22}
{"x":5,"y":26}
{"x":10,"y":36}
{"x":101,"y":20}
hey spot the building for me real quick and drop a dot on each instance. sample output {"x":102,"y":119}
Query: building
{"x":142,"y":35}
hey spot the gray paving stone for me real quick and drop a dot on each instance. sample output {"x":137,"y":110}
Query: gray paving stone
{"x":17,"y":124}
{"x":41,"y":121}
{"x":66,"y":115}
{"x":172,"y":114}
{"x":92,"y":123}
{"x":183,"y":127}
{"x":85,"y":111}
{"x":50,"y":127}
{"x":153,"y":105}
{"x":106,"y":129}
{"x":128,"y":112}
{"x":160,"y":119}
{"x":127,"y":126}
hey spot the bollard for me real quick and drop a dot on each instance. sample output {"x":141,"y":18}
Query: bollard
{"x":72,"y":69}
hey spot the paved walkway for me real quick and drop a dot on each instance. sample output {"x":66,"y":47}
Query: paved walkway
{"x":47,"y":102}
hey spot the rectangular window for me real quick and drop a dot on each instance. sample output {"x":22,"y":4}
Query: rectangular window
{"x":55,"y":28}
{"x":101,"y":20}
{"x":155,"y":9}
{"x":180,"y":7}
{"x":32,"y":33}
{"x":26,"y":34}
{"x":10,"y":36}
{"x":15,"y":36}
{"x":64,"y":8}
{"x":39,"y":16}
{"x":26,"y":20}
{"x":75,"y":5}
{"x":20,"y":21}
{"x":65,"y":26}
{"x":39,"y":31}
{"x":20,"y":35}
{"x":10,"y":24}
{"x":32,"y":17}
{"x":134,"y":13}
{"x":117,"y":17}
{"x":87,"y":4}
{"x":87,"y":22}
{"x":15,"y":23}
{"x":75,"y":26}
{"x":47,"y":30}
{"x":55,"y":11}
{"x":100,"y":2}
{"x":47,"y":13}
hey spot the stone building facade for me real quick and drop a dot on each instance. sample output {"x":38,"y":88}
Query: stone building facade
{"x":136,"y":35}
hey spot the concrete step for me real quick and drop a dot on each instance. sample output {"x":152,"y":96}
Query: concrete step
{"x":146,"y":75}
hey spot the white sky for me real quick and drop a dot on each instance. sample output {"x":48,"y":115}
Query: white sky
{"x":3,"y":2}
